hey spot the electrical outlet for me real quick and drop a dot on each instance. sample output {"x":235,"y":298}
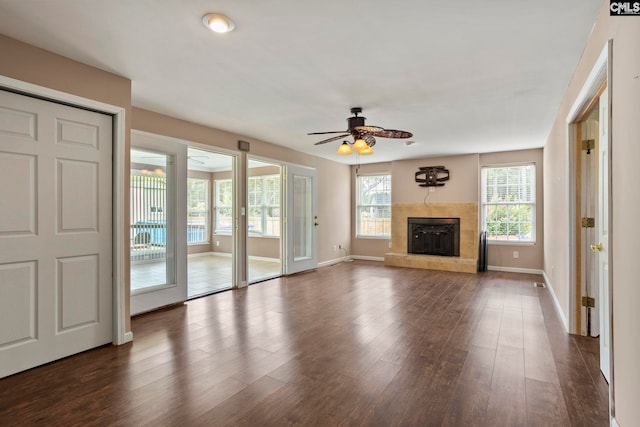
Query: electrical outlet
{"x":516,"y":254}
{"x":389,"y":245}
{"x":217,"y":242}
{"x":335,"y":248}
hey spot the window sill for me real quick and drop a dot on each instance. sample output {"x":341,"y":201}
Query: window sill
{"x":511,"y":242}
{"x":374,"y":237}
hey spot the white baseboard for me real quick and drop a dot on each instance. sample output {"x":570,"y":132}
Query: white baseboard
{"x":128,"y":337}
{"x":515,"y":269}
{"x":556,"y":303}
{"x":228,"y":255}
{"x":332,"y":261}
{"x":367,"y":258}
{"x":205,"y":254}
{"x":261,"y":258}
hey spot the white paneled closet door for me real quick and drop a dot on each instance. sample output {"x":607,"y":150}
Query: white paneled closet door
{"x":55,"y":231}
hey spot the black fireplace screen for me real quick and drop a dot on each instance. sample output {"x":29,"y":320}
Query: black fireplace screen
{"x":434,"y":236}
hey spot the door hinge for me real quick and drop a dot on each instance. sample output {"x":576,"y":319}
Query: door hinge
{"x":588,"y":145}
{"x":588,"y":302}
{"x":588,"y":222}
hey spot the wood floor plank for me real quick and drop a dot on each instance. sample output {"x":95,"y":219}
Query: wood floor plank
{"x":545,"y":404}
{"x":354,"y":344}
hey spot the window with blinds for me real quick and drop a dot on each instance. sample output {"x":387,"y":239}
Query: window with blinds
{"x":373,"y":206}
{"x":509,"y":203}
{"x":223,"y":206}
{"x":197,"y":210}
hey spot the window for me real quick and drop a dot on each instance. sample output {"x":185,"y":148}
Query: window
{"x":264,"y":205}
{"x":197,"y":210}
{"x":509,"y":203}
{"x":373,"y":206}
{"x":224,"y":205}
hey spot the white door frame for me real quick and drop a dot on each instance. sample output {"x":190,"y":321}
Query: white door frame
{"x":600,"y":73}
{"x":120,"y":335}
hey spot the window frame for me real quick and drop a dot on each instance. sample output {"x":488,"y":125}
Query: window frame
{"x":532,"y":203}
{"x":359,"y":206}
{"x":217,"y":206}
{"x":207,"y":210}
{"x":264,"y":204}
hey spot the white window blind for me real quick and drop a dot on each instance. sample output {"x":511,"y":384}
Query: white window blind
{"x":373,"y":206}
{"x":509,"y":202}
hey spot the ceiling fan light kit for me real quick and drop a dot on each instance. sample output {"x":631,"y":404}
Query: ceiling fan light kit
{"x":344,"y":149}
{"x":363,"y":135}
{"x":360,"y":144}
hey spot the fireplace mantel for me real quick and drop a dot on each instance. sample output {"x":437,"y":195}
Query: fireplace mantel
{"x":467,"y":212}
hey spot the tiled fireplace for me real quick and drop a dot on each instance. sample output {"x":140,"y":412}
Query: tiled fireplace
{"x":434,"y":221}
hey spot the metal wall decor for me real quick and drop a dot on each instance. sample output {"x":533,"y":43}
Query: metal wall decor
{"x":432,"y":176}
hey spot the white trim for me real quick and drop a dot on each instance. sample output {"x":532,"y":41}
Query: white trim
{"x":556,"y":303}
{"x":120,"y":336}
{"x":262,"y":258}
{"x":331,"y":262}
{"x":597,"y":76}
{"x":128,"y":337}
{"x":515,"y":269}
{"x":367,"y":258}
{"x":614,"y":423}
{"x":119,"y":296}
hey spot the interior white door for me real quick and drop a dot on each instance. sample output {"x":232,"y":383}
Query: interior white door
{"x":301,"y":219}
{"x":55,"y":231}
{"x":159,"y":236}
{"x":602,"y":230}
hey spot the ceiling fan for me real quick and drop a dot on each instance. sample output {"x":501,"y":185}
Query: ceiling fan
{"x":357,"y":128}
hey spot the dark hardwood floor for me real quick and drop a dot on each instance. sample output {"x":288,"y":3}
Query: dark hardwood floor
{"x":352,"y":344}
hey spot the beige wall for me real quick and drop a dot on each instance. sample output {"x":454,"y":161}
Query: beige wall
{"x":24,"y":62}
{"x":625,"y":200}
{"x":530,"y":257}
{"x":462,"y":187}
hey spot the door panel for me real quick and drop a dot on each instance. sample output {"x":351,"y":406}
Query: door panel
{"x":55,"y":231}
{"x":158,"y":222}
{"x":302,"y":219}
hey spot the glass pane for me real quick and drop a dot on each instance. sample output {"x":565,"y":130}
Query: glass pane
{"x":197,"y":210}
{"x":374,"y":205}
{"x":302,"y":217}
{"x":151,"y":218}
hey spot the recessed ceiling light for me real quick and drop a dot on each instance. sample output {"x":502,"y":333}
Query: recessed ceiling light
{"x":218,"y":22}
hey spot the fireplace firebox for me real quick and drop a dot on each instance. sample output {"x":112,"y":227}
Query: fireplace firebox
{"x":433,"y":236}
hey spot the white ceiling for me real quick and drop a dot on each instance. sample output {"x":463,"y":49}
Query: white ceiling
{"x":464,"y":76}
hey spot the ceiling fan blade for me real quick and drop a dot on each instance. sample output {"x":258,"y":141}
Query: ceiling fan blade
{"x":323,"y":133}
{"x":392,"y":133}
{"x":369,"y":129}
{"x":334,"y":138}
{"x":370,"y":140}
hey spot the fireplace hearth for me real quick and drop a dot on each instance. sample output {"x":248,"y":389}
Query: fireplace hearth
{"x":433,"y":236}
